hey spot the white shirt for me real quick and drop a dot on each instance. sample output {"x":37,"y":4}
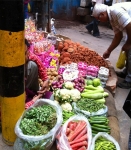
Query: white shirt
{"x":119,"y":15}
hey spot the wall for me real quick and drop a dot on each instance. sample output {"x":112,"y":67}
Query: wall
{"x":65,"y":9}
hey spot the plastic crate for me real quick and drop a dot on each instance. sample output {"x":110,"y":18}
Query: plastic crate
{"x":127,"y":105}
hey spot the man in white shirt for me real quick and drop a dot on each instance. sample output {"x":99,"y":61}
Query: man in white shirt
{"x":119,"y":16}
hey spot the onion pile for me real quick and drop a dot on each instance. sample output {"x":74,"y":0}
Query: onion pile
{"x":59,"y":83}
{"x":79,"y":84}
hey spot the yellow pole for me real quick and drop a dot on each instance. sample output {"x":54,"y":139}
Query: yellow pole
{"x":12,"y":59}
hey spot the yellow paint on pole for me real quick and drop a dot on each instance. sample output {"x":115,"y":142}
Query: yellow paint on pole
{"x":12,"y":48}
{"x":12,"y":60}
{"x":11,"y":110}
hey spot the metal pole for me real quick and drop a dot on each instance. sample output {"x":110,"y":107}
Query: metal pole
{"x":43,"y":14}
{"x":12,"y":59}
{"x":49,"y":17}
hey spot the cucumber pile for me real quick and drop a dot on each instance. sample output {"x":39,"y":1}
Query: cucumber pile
{"x":99,"y":124}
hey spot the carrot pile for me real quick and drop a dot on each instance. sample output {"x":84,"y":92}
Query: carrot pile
{"x":74,"y":52}
{"x":76,"y":133}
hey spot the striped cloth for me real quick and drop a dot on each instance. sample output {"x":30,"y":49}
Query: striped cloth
{"x":28,"y":104}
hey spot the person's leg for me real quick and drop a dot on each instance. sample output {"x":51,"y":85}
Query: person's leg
{"x":128,"y":77}
{"x":25,"y":11}
{"x":95,"y":28}
{"x":127,"y":82}
{"x":89,"y":27}
{"x":32,"y":77}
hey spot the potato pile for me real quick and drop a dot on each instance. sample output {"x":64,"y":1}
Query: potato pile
{"x":52,"y":74}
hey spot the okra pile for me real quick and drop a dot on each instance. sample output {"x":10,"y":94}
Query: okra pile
{"x":89,"y":105}
{"x":38,"y":120}
{"x":103,"y":144}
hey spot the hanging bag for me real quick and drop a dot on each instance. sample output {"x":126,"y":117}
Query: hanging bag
{"x":121,"y":62}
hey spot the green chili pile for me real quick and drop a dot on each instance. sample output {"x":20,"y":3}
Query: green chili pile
{"x":67,"y":115}
{"x":38,"y":120}
{"x":103,"y":144}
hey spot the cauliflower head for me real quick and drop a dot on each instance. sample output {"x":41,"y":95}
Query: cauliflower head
{"x":66,"y":106}
{"x":75,"y":94}
{"x":64,"y":93}
{"x":69,"y":85}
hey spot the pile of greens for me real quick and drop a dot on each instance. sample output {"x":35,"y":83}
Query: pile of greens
{"x":38,"y":120}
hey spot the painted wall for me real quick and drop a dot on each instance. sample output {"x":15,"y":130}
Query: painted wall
{"x":65,"y":9}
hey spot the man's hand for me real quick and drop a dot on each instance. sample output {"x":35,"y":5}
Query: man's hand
{"x":115,"y":42}
{"x":44,"y":87}
{"x":106,"y":54}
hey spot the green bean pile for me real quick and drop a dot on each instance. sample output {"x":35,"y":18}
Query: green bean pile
{"x":103,"y":144}
{"x":67,"y":115}
{"x":89,"y":105}
{"x":38,"y":120}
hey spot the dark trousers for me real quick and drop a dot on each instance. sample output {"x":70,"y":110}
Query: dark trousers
{"x":93,"y":26}
{"x":127,"y":69}
{"x":25,"y":11}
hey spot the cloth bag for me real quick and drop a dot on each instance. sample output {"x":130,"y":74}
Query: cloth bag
{"x":121,"y":62}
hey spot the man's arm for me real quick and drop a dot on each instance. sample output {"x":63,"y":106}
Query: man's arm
{"x":115,"y":42}
{"x":127,"y":45}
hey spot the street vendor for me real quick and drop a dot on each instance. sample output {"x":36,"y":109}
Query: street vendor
{"x":33,"y":69}
{"x":119,"y":16}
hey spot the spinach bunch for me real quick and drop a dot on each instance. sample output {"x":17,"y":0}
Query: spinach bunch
{"x":38,"y":120}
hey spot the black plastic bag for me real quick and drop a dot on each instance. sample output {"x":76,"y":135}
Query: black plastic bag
{"x":127,"y":105}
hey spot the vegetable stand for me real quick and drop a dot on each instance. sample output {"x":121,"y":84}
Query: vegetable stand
{"x":112,"y":116}
{"x":78,"y":78}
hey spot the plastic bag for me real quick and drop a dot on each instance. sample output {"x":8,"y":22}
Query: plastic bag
{"x":70,"y":75}
{"x":43,"y":142}
{"x":62,"y":143}
{"x":107,"y":136}
{"x":121,"y":62}
{"x":102,"y":111}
